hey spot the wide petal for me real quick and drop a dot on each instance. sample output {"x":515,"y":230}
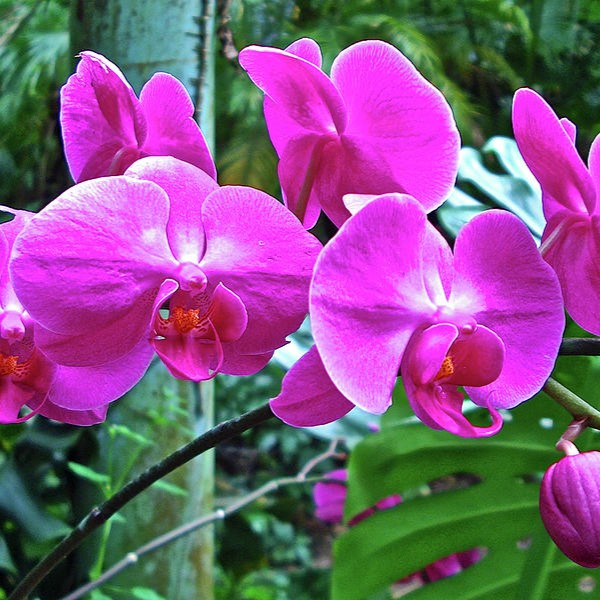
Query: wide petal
{"x":307,"y":94}
{"x":98,"y":107}
{"x":172,"y":131}
{"x":550,"y":153}
{"x":367,"y":298}
{"x":507,"y":287}
{"x":73,"y":417}
{"x":308,"y":396}
{"x":394,"y":109}
{"x":187,"y":187}
{"x":87,"y":258}
{"x":92,"y":388}
{"x":281,"y":125}
{"x":260,"y":251}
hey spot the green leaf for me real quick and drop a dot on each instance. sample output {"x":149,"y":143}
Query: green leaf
{"x":6,"y":562}
{"x":144,"y":593}
{"x":171,"y":488}
{"x":458,"y":209}
{"x":89,"y":474}
{"x":18,"y":503}
{"x":486,"y":496}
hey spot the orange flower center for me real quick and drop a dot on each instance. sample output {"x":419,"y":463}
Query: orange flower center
{"x":446,"y":370}
{"x":185,"y":320}
{"x":8,"y":365}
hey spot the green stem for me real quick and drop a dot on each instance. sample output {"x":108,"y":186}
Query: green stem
{"x":99,"y":515}
{"x":578,"y":407}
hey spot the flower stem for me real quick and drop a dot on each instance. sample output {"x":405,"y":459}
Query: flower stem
{"x":580,"y":347}
{"x":99,"y":515}
{"x":578,"y":407}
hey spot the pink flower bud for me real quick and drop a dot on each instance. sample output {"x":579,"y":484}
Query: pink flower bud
{"x":570,"y":506}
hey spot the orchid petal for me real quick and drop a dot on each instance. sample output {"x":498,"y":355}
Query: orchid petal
{"x":83,"y":262}
{"x":367,"y":298}
{"x":97,"y":93}
{"x":73,"y":417}
{"x":308,"y":396}
{"x":187,"y":187}
{"x":172,"y":130}
{"x":573,"y":254}
{"x":549,"y":152}
{"x":394,"y":108}
{"x":308,"y":95}
{"x":260,"y":251}
{"x":509,"y":288}
{"x":92,"y":388}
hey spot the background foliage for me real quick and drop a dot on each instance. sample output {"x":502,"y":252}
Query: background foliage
{"x":477,"y":52}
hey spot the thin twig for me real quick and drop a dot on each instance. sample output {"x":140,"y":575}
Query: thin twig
{"x":99,"y":515}
{"x":133,"y":557}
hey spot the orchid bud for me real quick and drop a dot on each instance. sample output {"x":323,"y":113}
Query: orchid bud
{"x":570,"y":506}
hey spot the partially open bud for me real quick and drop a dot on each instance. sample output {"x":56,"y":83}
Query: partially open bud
{"x":570,"y":506}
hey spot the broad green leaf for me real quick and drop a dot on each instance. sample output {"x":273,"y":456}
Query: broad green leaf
{"x":497,"y":511}
{"x":458,"y":210}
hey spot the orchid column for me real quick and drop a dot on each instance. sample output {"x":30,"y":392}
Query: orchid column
{"x":141,"y":41}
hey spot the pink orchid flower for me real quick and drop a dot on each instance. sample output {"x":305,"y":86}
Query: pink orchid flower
{"x":571,"y":239}
{"x":375,"y":126}
{"x":212,"y":278}
{"x":106,"y":128}
{"x":388,"y":295}
{"x":29,"y":379}
{"x":570,"y":506}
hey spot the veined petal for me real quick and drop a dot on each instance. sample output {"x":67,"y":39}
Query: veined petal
{"x":97,"y":94}
{"x":260,"y":251}
{"x":510,"y":289}
{"x":393,"y":108}
{"x":86,"y":259}
{"x":282,"y":126}
{"x":73,"y":417}
{"x":594,"y":166}
{"x":187,"y":187}
{"x":307,"y":94}
{"x":550,"y":153}
{"x":308,"y":396}
{"x":172,"y":130}
{"x":367,"y":298}
{"x":573,"y":254}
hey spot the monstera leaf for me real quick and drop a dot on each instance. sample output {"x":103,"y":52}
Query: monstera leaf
{"x":515,"y":189}
{"x":489,"y":501}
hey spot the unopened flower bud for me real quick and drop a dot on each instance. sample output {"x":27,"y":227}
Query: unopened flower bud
{"x":570,"y":507}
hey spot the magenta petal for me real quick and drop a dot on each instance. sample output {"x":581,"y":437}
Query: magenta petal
{"x":282,"y":127}
{"x":97,"y":94}
{"x":428,"y":349}
{"x":392,"y":107}
{"x":305,"y":169}
{"x":73,"y":417}
{"x":573,"y":254}
{"x":507,"y":287}
{"x":550,"y":153}
{"x":308,"y":396}
{"x":14,"y":397}
{"x":85,"y":260}
{"x":260,"y":251}
{"x":594,"y":166}
{"x":172,"y":130}
{"x":187,"y":188}
{"x":307,"y":94}
{"x":190,"y":358}
{"x":330,"y":497}
{"x":91,"y":388}
{"x":367,"y":298}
